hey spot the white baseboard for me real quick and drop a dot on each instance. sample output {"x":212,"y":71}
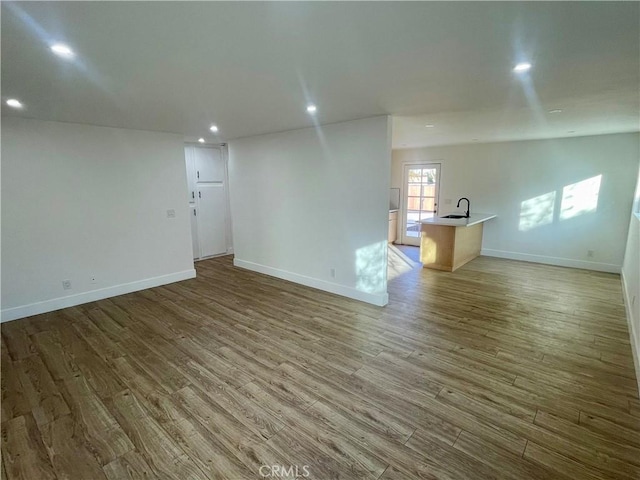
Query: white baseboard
{"x":376,"y":299}
{"x":93,"y":295}
{"x":635,"y":348}
{"x":558,"y":261}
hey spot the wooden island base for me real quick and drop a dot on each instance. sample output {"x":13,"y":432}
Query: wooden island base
{"x":445,"y":247}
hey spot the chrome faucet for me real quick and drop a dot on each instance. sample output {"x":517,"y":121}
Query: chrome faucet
{"x":466,"y":214}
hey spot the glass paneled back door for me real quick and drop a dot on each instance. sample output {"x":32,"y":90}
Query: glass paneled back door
{"x":421,"y":184}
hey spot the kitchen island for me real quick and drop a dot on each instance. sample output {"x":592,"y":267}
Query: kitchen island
{"x":448,"y":243}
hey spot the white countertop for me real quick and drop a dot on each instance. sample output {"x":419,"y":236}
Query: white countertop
{"x":473,"y":219}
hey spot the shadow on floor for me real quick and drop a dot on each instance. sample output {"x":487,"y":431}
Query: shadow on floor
{"x":410,"y":251}
{"x":402,"y":259}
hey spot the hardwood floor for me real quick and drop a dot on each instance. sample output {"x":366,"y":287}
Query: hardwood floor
{"x":413,"y":253}
{"x":501,"y":369}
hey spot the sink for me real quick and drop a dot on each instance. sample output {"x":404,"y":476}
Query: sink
{"x":454,"y":216}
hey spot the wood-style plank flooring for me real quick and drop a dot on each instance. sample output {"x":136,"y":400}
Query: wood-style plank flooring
{"x":501,"y":369}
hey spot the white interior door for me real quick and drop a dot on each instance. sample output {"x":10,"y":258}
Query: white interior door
{"x":209,"y":164}
{"x":421,"y":185}
{"x":194,"y":230}
{"x":212,"y":222}
{"x":189,"y":158}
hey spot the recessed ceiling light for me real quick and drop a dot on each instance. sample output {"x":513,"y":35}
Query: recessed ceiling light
{"x":13,"y":103}
{"x":311,"y":108}
{"x":522,"y":67}
{"x":62,"y":50}
{"x":201,"y":140}
{"x":429,"y":125}
{"x":555,"y":110}
{"x":213,"y":128}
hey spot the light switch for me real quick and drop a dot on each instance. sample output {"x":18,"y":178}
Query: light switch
{"x":171,"y":213}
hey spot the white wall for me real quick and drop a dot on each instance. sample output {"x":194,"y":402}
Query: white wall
{"x":631,"y":279}
{"x":506,"y":178}
{"x":81,"y":201}
{"x":306,"y":201}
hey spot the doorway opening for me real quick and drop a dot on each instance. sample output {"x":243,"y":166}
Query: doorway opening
{"x":420,"y":199}
{"x":207,"y":180}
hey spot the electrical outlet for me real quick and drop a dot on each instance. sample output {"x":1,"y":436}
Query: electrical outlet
{"x":66,"y":284}
{"x":333,"y":273}
{"x":590,"y":253}
{"x":171,"y":213}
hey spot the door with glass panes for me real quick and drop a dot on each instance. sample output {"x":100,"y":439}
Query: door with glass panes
{"x":421,"y":184}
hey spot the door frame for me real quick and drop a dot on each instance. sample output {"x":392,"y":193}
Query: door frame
{"x":224,"y":152}
{"x":404,"y":198}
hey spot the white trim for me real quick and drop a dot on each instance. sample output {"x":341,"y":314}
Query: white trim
{"x":635,"y":348}
{"x":93,"y":295}
{"x":379,"y":299}
{"x":224,"y":254}
{"x":227,"y":204}
{"x":561,"y":262}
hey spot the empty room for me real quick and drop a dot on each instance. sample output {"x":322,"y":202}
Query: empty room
{"x":324,"y":240}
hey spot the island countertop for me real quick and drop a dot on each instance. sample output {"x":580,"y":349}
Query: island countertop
{"x":473,"y":219}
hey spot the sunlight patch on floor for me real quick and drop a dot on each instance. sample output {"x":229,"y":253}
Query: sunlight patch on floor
{"x":398,"y":263}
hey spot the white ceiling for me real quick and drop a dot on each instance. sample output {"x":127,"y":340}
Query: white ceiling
{"x":251,"y":68}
